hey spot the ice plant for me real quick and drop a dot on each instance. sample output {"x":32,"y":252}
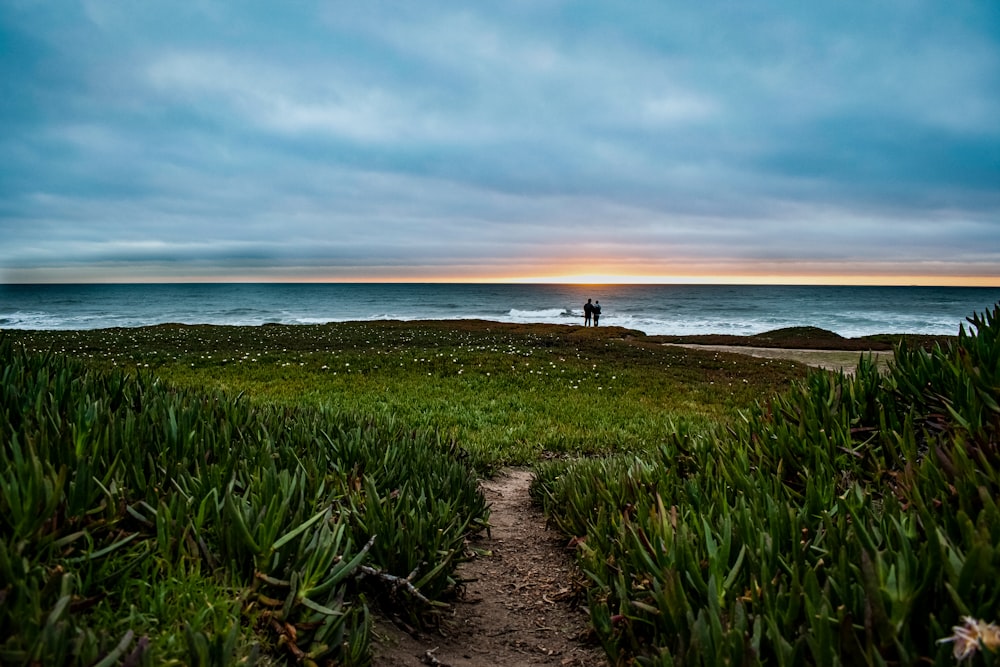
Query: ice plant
{"x":970,"y":635}
{"x":232,"y":527}
{"x":868,"y":497}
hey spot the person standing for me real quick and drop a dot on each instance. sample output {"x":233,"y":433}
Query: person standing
{"x":596,"y":312}
{"x":588,"y":311}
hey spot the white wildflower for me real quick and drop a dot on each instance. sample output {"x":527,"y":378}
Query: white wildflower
{"x":968,"y":637}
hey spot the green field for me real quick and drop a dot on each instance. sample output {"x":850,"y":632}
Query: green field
{"x":229,"y":495}
{"x":507,"y":394}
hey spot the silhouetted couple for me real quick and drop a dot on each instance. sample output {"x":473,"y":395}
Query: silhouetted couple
{"x":591,"y":311}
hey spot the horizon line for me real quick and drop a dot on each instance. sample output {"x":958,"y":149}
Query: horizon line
{"x":977,"y":281}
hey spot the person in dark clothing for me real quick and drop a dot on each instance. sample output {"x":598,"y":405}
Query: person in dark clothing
{"x":596,"y":312}
{"x":588,"y":311}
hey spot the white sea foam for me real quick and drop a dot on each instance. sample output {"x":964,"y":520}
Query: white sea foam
{"x":543,"y":315}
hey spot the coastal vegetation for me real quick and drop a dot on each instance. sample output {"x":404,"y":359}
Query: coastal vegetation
{"x":853,"y":520}
{"x":226,"y":495}
{"x":149,"y":524}
{"x":506,"y":394}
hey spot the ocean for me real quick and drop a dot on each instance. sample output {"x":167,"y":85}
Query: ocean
{"x":653,"y":309}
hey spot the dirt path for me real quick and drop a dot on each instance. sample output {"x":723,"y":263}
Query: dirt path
{"x":519,"y":612}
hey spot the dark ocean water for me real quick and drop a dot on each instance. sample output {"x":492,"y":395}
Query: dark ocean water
{"x":653,"y":309}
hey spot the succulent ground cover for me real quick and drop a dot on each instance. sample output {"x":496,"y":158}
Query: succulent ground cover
{"x":853,"y":520}
{"x":145,"y":523}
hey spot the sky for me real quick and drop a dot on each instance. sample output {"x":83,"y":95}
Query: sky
{"x":847,"y":142}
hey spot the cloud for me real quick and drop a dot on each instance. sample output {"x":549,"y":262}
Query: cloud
{"x":334,"y":105}
{"x":441,"y":138}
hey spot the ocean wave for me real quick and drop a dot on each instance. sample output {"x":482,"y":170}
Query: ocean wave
{"x":30,"y":320}
{"x":306,"y":320}
{"x":544,"y":314}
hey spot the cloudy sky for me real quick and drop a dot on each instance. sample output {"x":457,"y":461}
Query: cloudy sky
{"x":848,"y":141}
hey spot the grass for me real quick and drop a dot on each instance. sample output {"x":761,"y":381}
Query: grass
{"x":508,"y":394}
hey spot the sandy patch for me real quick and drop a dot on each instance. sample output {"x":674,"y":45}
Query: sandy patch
{"x":833,"y":360}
